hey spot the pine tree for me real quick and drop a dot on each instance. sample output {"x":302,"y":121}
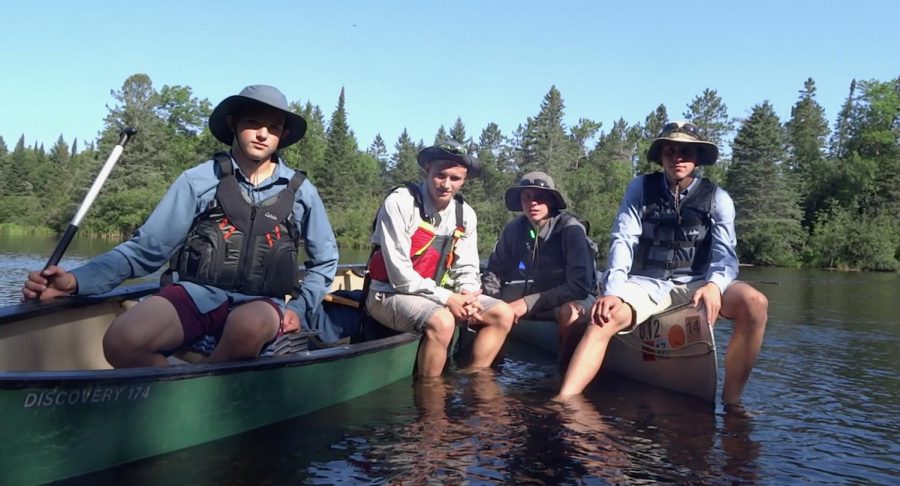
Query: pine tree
{"x":768,"y":214}
{"x":580,"y":135}
{"x":341,"y":174}
{"x":842,"y":124}
{"x":482,"y":193}
{"x":709,"y":112}
{"x":595,"y":189}
{"x":378,"y":149}
{"x":807,"y":131}
{"x":546,"y":145}
{"x":16,"y":177}
{"x":59,"y":153}
{"x":404,"y":167}
{"x":458,"y":132}
{"x":441,"y":135}
{"x":308,"y":154}
{"x":651,"y":128}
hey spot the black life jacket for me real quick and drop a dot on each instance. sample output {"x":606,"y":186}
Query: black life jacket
{"x":432,"y":254}
{"x":674,"y":241}
{"x":243,"y":247}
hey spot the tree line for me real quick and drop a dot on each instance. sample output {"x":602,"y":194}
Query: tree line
{"x":807,"y":193}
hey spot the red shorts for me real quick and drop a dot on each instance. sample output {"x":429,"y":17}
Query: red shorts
{"x":195,"y":324}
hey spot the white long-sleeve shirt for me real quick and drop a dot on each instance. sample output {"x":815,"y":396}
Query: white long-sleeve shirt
{"x":397,"y":220}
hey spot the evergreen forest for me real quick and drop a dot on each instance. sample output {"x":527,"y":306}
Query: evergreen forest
{"x":809,"y":191}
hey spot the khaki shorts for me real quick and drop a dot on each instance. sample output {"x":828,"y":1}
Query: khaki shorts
{"x":644,"y":307}
{"x":405,"y":312}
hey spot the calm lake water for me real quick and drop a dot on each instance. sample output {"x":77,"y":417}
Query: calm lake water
{"x":825,"y":393}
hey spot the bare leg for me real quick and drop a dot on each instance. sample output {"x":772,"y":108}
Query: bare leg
{"x":749,"y":309}
{"x":435,"y":339}
{"x":589,"y":354}
{"x":247,"y":328}
{"x":498,"y":321}
{"x":570,"y":325}
{"x":138,"y":337}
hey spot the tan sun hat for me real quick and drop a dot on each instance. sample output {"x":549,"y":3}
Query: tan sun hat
{"x":534,"y":180}
{"x":683,"y":132}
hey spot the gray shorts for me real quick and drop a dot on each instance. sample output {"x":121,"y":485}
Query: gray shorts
{"x":513,"y":291}
{"x":406,"y":312}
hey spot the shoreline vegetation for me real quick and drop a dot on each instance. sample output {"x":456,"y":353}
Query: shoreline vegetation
{"x":808,"y":193}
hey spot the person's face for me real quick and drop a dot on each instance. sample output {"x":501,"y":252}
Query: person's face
{"x":679,"y":160}
{"x":535,"y":204}
{"x":258,"y":131}
{"x":444,"y":179}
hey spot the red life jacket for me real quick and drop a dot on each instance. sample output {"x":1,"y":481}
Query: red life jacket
{"x":432,"y":255}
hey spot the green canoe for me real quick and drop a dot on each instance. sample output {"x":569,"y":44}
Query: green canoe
{"x":65,"y":412}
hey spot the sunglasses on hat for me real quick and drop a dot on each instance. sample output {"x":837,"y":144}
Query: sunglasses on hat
{"x":457,"y":149}
{"x":688,"y":128}
{"x":535,"y":182}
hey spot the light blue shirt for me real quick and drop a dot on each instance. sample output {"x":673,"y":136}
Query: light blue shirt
{"x":166,"y":229}
{"x":627,"y":228}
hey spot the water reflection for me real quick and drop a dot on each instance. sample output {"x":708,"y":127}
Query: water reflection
{"x":825,"y":392}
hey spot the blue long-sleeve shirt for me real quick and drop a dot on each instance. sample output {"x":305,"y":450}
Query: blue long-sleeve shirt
{"x":168,"y":225}
{"x":627,"y":228}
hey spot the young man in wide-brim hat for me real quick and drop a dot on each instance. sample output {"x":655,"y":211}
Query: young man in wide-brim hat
{"x":542,"y":263}
{"x":424,"y":268}
{"x":673,"y":241}
{"x":208,"y":226}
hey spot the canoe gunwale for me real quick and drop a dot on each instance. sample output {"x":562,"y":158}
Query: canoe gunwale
{"x":32,"y":309}
{"x":13,"y":380}
{"x":10,"y":380}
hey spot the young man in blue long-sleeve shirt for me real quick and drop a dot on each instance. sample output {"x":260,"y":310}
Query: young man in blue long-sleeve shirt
{"x":231,"y":228}
{"x":673,"y":241}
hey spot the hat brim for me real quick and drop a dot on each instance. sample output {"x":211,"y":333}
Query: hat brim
{"x":218,"y":124}
{"x":707,"y":152}
{"x":513,"y":197}
{"x":432,"y":154}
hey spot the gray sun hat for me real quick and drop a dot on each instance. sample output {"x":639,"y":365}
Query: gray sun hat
{"x":451,"y":151}
{"x":534,"y":180}
{"x":683,"y":132}
{"x":257,"y":94}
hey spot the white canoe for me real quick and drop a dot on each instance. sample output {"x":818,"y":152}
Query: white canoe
{"x":674,"y":350}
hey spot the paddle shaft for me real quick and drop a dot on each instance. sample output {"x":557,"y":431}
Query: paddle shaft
{"x":67,"y":236}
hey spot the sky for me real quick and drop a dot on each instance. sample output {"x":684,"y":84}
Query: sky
{"x":418,"y":65}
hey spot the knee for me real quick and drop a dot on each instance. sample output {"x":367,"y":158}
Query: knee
{"x":440,"y":327}
{"x":568,"y":313}
{"x":504,"y":315}
{"x":254,"y":331}
{"x":757,"y":307}
{"x":119,"y":344}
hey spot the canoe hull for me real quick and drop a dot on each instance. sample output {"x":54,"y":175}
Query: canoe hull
{"x":674,"y":350}
{"x":76,"y":415}
{"x":57,"y":429}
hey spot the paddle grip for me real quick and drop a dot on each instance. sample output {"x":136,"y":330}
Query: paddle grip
{"x":62,"y":246}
